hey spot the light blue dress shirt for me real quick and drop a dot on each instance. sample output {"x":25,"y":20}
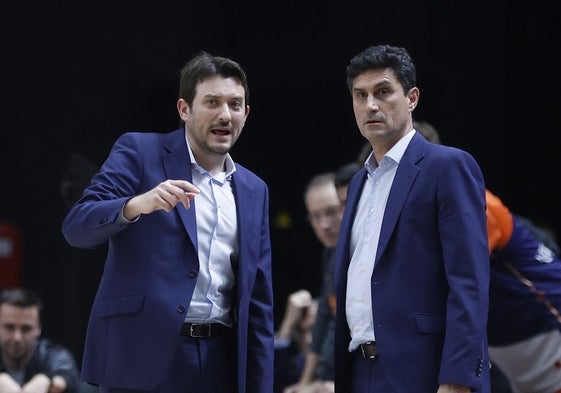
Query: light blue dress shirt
{"x":215,"y":210}
{"x":364,"y":241}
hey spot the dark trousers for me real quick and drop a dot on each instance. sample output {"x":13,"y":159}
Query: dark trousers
{"x":201,"y":365}
{"x":368,"y":376}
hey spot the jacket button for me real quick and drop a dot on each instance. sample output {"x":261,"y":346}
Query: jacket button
{"x":181,"y":309}
{"x":192,"y":273}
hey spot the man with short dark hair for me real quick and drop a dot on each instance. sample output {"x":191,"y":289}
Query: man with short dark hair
{"x":412,"y":293}
{"x":185,"y":302}
{"x":29,"y":363}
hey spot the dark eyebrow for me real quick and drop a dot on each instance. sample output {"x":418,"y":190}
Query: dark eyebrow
{"x":217,"y":97}
{"x":382,"y":83}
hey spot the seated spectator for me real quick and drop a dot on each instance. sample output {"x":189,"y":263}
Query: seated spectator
{"x":29,"y":363}
{"x":293,"y":338}
{"x":318,"y":373}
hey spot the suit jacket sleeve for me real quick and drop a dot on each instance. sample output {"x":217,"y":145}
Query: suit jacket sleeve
{"x":463,"y":231}
{"x":95,"y":217}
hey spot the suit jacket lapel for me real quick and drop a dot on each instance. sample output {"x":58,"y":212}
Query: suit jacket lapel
{"x":404,"y":178}
{"x":177,"y":165}
{"x":244,"y":196}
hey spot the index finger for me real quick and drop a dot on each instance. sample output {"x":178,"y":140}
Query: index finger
{"x":185,"y":186}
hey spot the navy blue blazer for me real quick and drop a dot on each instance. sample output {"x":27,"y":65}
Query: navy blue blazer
{"x":431,"y":274}
{"x":152,"y":265}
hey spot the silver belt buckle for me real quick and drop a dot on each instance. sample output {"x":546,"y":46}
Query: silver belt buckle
{"x":364,"y":354}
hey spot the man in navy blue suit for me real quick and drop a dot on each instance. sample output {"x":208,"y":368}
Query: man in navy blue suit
{"x":185,"y":303}
{"x":412,"y":293}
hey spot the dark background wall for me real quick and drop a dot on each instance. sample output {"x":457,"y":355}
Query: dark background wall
{"x":75,"y":75}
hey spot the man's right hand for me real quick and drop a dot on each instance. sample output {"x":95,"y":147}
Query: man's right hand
{"x":165,"y":196}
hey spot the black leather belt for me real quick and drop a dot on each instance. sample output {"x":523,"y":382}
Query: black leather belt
{"x":368,"y":350}
{"x":203,"y":330}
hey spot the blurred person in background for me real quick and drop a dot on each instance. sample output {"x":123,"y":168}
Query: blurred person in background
{"x":30,"y":363}
{"x":319,"y":369}
{"x":293,"y":338}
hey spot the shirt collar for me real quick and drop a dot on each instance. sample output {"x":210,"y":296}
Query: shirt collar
{"x":229,"y":166}
{"x":395,"y":154}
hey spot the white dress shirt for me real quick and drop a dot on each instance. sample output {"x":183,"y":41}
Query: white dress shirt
{"x":364,"y":241}
{"x":215,"y":210}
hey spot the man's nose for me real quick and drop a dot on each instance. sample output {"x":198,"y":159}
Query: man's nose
{"x":17,"y":335}
{"x":372,"y":103}
{"x":225,"y":115}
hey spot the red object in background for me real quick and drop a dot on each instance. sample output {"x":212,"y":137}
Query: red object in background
{"x":10,"y":256}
